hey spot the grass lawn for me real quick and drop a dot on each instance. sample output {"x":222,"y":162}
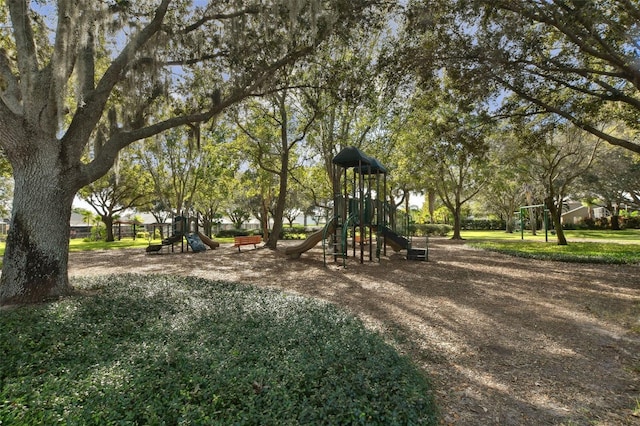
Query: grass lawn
{"x":169,"y":350}
{"x":604,"y":246}
{"x":78,"y":244}
{"x":628,"y":235}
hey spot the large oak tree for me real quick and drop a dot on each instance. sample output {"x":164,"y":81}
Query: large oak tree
{"x":57,"y":97}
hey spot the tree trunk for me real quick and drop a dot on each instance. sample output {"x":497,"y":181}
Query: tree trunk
{"x":431,"y":196}
{"x":108,"y":223}
{"x":509,"y":223}
{"x":392,"y":213}
{"x":264,"y":218}
{"x":37,"y":250}
{"x":557,"y":223}
{"x":207,"y":227}
{"x":457,"y":223}
{"x":283,"y":174}
{"x":615,"y":222}
{"x":280,"y":204}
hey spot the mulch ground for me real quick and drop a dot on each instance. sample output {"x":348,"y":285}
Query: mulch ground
{"x":505,"y":340}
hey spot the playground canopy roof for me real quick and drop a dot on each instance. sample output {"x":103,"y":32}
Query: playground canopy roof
{"x":374,"y":168}
{"x":353,"y":157}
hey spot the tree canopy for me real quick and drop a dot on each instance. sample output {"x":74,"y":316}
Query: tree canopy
{"x":572,"y":58}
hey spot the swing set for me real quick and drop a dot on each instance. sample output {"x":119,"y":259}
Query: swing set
{"x":545,"y":221}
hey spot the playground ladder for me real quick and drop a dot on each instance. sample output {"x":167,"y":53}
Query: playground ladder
{"x":336,"y":243}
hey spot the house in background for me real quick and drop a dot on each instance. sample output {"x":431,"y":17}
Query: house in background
{"x":575,"y":212}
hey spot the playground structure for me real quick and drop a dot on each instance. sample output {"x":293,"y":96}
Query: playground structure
{"x":183,"y":229}
{"x":532,"y":217}
{"x":360,"y":211}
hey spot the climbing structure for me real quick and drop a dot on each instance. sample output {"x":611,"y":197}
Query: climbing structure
{"x":356,"y":209}
{"x":360,"y":212}
{"x":182,"y":230}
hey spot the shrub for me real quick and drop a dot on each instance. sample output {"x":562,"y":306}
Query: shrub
{"x":483,"y":224}
{"x":602,"y":223}
{"x":295,"y":232}
{"x":590,"y":223}
{"x":230,"y":233}
{"x":431,"y":229}
{"x":98,"y":232}
{"x":632,"y":222}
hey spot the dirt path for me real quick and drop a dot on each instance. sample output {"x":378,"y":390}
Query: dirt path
{"x":506,"y":340}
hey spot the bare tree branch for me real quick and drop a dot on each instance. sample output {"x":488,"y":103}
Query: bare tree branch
{"x":25,"y":46}
{"x":570,"y":117}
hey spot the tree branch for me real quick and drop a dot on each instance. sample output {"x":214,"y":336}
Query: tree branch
{"x":104,"y":160}
{"x":608,"y":55}
{"x":141,"y":62}
{"x":10,"y":93}
{"x":64,"y":55}
{"x":570,"y":117}
{"x":220,"y":17}
{"x":88,"y":115}
{"x":615,"y":94}
{"x":25,"y":45}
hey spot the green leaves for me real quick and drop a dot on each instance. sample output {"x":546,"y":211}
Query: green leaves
{"x":175,"y":350}
{"x":570,"y":59}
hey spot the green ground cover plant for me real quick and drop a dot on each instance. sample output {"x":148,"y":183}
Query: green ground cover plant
{"x":184,"y":350}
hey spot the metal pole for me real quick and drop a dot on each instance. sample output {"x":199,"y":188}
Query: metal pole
{"x":384,"y":211}
{"x":361,"y":212}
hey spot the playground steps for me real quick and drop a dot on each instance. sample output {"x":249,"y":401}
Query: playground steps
{"x":417,"y":254}
{"x":172,"y":240}
{"x":336,"y":249}
{"x":154,"y":248}
{"x":402,"y":243}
